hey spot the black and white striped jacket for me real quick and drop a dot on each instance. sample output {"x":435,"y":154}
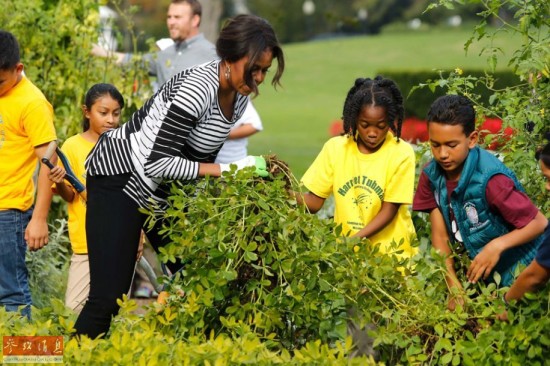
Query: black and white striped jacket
{"x":178,"y":127}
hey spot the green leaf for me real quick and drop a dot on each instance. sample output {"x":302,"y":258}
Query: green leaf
{"x":492,"y":63}
{"x":446,"y":358}
{"x":324,"y":285}
{"x":250,"y":256}
{"x":252,"y":246}
{"x":263,"y":205}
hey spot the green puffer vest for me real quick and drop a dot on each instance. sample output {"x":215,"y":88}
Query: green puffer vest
{"x":478,"y":225}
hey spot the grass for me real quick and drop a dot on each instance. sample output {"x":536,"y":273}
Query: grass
{"x":318,"y":75}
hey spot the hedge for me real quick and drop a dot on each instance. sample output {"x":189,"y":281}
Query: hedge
{"x":418,"y":102}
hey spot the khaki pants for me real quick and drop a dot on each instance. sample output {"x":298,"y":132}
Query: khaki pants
{"x":78,"y":284}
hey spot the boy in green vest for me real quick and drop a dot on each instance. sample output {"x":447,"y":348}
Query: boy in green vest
{"x":476,"y":204}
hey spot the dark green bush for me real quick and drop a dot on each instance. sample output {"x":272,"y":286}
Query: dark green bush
{"x":418,"y":102}
{"x":266,"y":282}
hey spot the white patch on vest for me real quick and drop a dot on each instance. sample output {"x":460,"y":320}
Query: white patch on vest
{"x":471,"y":213}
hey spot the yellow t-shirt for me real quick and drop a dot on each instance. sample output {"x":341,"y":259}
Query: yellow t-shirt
{"x":26,"y":121}
{"x":76,"y":149}
{"x":361,"y":182}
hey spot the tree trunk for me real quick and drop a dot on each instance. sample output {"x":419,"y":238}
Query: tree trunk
{"x":211,"y":13}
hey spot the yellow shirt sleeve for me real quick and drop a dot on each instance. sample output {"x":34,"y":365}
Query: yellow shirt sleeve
{"x":26,"y":121}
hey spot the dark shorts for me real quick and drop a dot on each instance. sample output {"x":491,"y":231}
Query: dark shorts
{"x":543,"y":255}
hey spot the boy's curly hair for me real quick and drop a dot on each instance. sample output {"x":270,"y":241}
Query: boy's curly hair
{"x":9,"y":51}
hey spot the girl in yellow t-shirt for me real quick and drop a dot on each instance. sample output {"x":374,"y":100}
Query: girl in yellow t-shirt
{"x":369,"y":170}
{"x":102,"y":108}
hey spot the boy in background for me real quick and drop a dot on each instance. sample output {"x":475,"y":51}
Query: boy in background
{"x":476,"y":204}
{"x":26,"y":128}
{"x":537,"y":274}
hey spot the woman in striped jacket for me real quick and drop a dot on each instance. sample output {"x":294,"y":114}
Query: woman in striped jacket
{"x":175,"y":135}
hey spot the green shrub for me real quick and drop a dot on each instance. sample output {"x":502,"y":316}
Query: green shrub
{"x":255,"y":262}
{"x":48,"y":267}
{"x":266,"y":282}
{"x":418,"y":101}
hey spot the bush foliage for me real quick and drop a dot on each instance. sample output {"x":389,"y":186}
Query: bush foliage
{"x":266,"y":282}
{"x":418,"y":101}
{"x":260,"y":264}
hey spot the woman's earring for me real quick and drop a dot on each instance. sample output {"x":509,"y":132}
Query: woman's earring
{"x":227,"y":72}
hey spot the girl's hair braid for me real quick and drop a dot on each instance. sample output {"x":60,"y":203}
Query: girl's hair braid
{"x":380,"y":92}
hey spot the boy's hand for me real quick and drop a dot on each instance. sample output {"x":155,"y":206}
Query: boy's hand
{"x":36,"y":234}
{"x":484,"y":262}
{"x":454,"y":301}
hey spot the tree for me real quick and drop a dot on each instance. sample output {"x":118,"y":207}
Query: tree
{"x":523,"y":107}
{"x":210,"y":21}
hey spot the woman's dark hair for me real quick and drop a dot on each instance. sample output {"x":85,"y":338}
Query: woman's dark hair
{"x":544,"y":155}
{"x":378,"y":92}
{"x":94,"y":93}
{"x":453,"y":110}
{"x":250,"y":35}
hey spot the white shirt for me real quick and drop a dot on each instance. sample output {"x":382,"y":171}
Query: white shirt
{"x":235,"y":149}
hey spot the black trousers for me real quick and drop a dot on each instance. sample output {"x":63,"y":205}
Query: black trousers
{"x":113,"y":228}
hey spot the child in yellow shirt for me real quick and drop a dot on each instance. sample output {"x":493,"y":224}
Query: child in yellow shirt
{"x":26,"y":129}
{"x":102,"y":110}
{"x":369,"y":170}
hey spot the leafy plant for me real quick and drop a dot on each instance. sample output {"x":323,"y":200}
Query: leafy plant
{"x":48,"y":267}
{"x":254,"y":261}
{"x":522,"y":106}
{"x":264,"y":281}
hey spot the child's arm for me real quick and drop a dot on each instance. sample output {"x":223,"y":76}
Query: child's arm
{"x":313,"y":202}
{"x":36,"y":233}
{"x":382,"y":218}
{"x":244,"y":130}
{"x":57,"y":176}
{"x":529,"y":280}
{"x":485,"y":261}
{"x":440,"y":241}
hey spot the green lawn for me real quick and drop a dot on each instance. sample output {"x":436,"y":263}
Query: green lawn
{"x":318,"y":75}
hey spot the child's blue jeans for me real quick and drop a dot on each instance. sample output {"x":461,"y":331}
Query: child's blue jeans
{"x":14,"y":282}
